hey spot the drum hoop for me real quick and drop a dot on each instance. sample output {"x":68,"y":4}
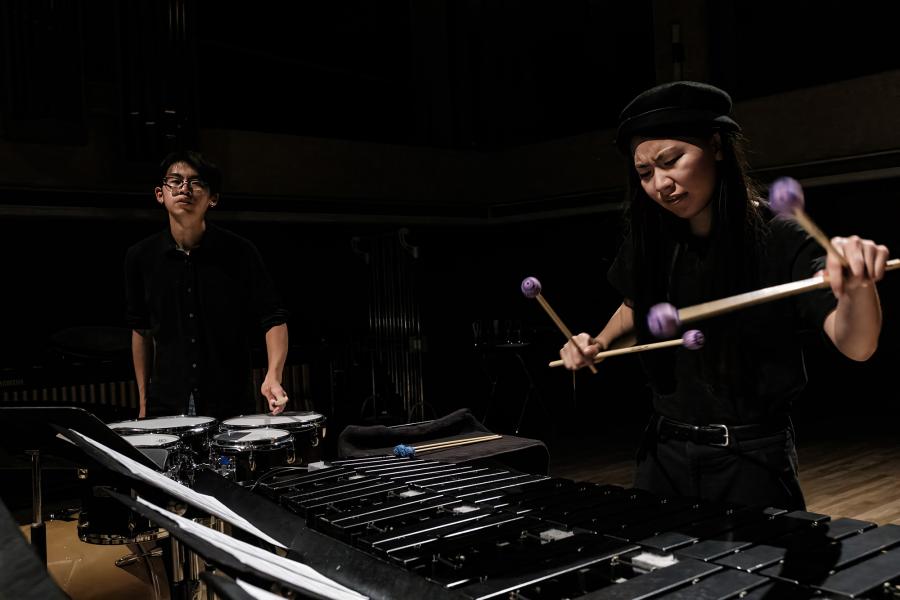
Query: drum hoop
{"x":260,"y":444}
{"x":178,"y":430}
{"x":169,"y":444}
{"x":301,"y":425}
{"x":115,"y":539}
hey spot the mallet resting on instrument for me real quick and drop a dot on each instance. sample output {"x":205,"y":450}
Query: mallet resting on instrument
{"x":692,"y":340}
{"x":405,"y":451}
{"x":531,"y":287}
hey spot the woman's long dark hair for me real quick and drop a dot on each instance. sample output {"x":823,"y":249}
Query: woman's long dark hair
{"x":736,"y":239}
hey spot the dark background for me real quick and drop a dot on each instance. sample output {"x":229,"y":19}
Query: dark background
{"x":94,"y":93}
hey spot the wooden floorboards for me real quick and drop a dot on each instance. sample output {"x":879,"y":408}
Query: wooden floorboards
{"x":844,"y":471}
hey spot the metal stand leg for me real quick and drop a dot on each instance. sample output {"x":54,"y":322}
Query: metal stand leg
{"x":146,"y":563}
{"x":182,"y":586}
{"x":38,"y":527}
{"x":532,"y":389}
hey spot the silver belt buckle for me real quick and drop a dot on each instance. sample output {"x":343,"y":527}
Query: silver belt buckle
{"x":725,"y":429}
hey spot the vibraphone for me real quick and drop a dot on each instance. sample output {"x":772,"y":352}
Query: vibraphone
{"x":482,"y":532}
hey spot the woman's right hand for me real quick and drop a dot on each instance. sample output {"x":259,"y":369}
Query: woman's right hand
{"x":579,"y":352}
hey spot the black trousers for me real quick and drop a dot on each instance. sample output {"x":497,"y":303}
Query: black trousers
{"x":753,"y":472}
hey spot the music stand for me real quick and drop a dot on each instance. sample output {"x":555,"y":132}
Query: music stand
{"x":512,"y":348}
{"x":34,"y":432}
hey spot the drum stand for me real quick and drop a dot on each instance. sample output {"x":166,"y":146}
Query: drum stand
{"x":146,"y":562}
{"x":531,"y":391}
{"x":38,"y":527}
{"x":187,"y":567}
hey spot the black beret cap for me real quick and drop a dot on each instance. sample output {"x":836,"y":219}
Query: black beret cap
{"x":679,"y":106}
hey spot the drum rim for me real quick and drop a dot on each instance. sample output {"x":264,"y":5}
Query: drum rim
{"x":270,"y":444}
{"x":193,"y":429}
{"x":173,"y":442}
{"x":320,"y":419}
{"x":292,"y":426}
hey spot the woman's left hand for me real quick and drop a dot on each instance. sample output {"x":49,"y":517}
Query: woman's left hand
{"x":866,"y":261}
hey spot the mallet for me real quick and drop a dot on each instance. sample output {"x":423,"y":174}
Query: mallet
{"x":405,"y":451}
{"x":786,"y":198}
{"x":692,"y":339}
{"x":531,"y":287}
{"x":664,"y":320}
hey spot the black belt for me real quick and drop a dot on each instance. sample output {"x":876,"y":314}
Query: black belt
{"x":717,"y":434}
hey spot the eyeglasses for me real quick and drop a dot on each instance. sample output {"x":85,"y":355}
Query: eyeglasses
{"x":174,"y":182}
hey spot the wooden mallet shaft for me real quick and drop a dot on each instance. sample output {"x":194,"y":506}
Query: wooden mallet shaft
{"x":562,"y":326}
{"x":531,"y":287}
{"x":460,"y":442}
{"x":775,"y":292}
{"x":786,"y":198}
{"x":629,"y":350}
{"x":818,"y":235}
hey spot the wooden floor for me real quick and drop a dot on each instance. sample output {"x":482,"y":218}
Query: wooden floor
{"x":844,"y":471}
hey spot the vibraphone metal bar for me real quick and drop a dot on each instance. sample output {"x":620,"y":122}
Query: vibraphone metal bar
{"x":489,"y":533}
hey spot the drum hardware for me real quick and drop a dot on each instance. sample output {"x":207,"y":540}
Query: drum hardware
{"x":241,"y":455}
{"x":181,"y":442}
{"x":307,"y":429}
{"x":194,"y":431}
{"x":169,"y":452}
{"x":38,"y":528}
{"x":146,"y":563}
{"x":105,"y":521}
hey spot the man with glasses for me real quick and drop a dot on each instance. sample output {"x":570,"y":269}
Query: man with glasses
{"x":196,"y":296}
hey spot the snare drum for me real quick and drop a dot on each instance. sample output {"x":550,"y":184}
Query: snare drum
{"x":307,"y":429}
{"x":245,"y":454}
{"x":177,"y":463}
{"x":194,"y":432}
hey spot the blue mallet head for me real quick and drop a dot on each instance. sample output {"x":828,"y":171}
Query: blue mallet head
{"x":404,"y":451}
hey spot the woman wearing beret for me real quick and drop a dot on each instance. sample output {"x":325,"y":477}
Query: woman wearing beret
{"x":699,"y":230}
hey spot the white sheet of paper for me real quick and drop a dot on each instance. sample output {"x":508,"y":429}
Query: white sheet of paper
{"x":257,"y":592}
{"x":279,"y":567}
{"x":204,"y":502}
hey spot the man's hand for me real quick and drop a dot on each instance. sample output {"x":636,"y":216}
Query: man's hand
{"x":275,"y":394}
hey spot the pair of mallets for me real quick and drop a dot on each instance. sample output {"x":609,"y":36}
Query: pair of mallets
{"x":785,"y":198}
{"x":664,"y":320}
{"x":406,"y":451}
{"x":531,"y":287}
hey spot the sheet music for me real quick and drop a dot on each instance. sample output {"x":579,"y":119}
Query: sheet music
{"x":257,"y":592}
{"x":263,"y":561}
{"x":205,"y":502}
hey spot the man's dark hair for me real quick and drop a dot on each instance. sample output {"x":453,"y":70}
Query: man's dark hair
{"x":206,"y":169}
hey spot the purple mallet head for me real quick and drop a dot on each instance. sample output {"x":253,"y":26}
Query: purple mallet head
{"x":531,"y":287}
{"x":663,"y":320}
{"x":693,"y":339}
{"x":786,"y":196}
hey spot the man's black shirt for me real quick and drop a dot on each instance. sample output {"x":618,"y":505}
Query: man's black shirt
{"x":203,"y":310}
